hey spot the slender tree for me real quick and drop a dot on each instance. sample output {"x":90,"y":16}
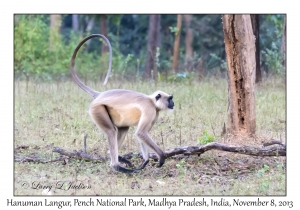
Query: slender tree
{"x":188,"y":43}
{"x":255,"y":28}
{"x":283,"y":43}
{"x":90,"y":20}
{"x":176,"y":45}
{"x":200,"y":67}
{"x":75,"y":23}
{"x":158,"y":37}
{"x":55,"y":24}
{"x":240,"y":53}
{"x":153,"y":35}
{"x":104,"y":31}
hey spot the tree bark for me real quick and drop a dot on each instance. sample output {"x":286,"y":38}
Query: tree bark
{"x":176,"y":45}
{"x":188,"y":43}
{"x":55,"y":23}
{"x":75,"y":23}
{"x":153,"y":35}
{"x":103,"y":30}
{"x":283,"y":43}
{"x":255,"y":28}
{"x":240,"y":53}
{"x":200,"y":69}
{"x":155,"y":68}
{"x":89,"y":27}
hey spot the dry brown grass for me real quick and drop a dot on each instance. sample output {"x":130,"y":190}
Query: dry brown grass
{"x":56,"y":115}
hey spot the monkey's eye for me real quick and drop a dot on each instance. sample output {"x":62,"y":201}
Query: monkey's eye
{"x":157,"y":97}
{"x":171,"y":97}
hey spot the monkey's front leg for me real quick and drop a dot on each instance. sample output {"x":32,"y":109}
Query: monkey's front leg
{"x":147,"y":142}
{"x":145,"y":153}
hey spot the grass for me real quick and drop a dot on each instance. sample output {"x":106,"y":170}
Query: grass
{"x":55,"y":114}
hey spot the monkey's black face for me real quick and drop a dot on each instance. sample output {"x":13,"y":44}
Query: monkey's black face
{"x":170,"y":102}
{"x":164,"y":101}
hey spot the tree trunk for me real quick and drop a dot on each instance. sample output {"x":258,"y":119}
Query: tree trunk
{"x":104,"y":47}
{"x":89,"y":27}
{"x":255,"y":28}
{"x":200,"y":69}
{"x":176,"y":45}
{"x":240,"y":53}
{"x":283,"y":43}
{"x":75,"y":23}
{"x":90,"y":23}
{"x":154,"y":22}
{"x":200,"y":66}
{"x":155,"y":70}
{"x":55,"y":23}
{"x":103,"y":30}
{"x":188,"y":43}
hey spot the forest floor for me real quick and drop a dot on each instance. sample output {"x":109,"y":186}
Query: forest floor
{"x":55,"y":114}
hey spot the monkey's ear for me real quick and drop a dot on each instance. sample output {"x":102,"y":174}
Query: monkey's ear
{"x":158,"y":97}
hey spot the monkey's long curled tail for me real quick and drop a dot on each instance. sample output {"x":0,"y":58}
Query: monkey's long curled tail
{"x":87,"y":89}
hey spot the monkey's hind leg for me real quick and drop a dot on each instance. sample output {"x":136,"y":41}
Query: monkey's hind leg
{"x":122,"y":131}
{"x":103,"y":121}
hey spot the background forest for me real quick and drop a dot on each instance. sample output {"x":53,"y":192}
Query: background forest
{"x":44,"y":45}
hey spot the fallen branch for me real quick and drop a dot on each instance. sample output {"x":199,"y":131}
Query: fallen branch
{"x":36,"y":159}
{"x":78,"y":154}
{"x":191,"y":150}
{"x":188,"y":150}
{"x":274,"y":141}
{"x":21,"y":147}
{"x":198,"y":150}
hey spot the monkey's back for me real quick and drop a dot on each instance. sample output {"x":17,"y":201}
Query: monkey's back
{"x":125,"y":107}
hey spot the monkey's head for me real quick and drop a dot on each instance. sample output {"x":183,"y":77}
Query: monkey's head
{"x":163,"y":101}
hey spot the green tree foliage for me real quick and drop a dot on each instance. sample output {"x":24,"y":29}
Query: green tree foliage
{"x":32,"y":54}
{"x":30,"y":45}
{"x":271,"y":32}
{"x":34,"y":58}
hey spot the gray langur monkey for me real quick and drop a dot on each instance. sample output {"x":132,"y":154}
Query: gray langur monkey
{"x":114,"y":111}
